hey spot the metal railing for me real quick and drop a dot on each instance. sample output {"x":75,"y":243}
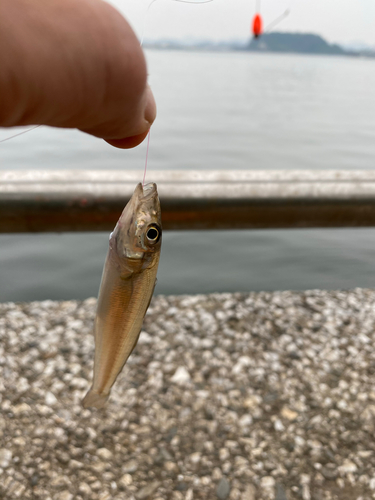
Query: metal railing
{"x":80,"y":200}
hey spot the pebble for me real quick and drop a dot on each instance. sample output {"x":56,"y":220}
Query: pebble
{"x":280,"y":493}
{"x":130,"y":466}
{"x":288,"y":413}
{"x":249,"y":493}
{"x":147,"y":490}
{"x":195,"y":458}
{"x":105,"y":495}
{"x":16,"y":490}
{"x":125,"y":480}
{"x":267,"y":482}
{"x":329,"y":472}
{"x":50,"y":399}
{"x":104,"y":453}
{"x":224,"y":454}
{"x":278,"y":425}
{"x":189,"y":495}
{"x":181,"y":376}
{"x":170,"y":466}
{"x":84,"y":489}
{"x":21,"y":409}
{"x":96,"y":486}
{"x":5,"y":458}
{"x":64,"y":495}
{"x":245,"y":420}
{"x":223,"y":489}
{"x":347,"y":467}
{"x":59,"y":481}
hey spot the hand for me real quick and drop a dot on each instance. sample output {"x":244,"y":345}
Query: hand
{"x":73,"y":64}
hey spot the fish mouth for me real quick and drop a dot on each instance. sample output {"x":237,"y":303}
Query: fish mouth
{"x":149,"y":190}
{"x":147,"y":194}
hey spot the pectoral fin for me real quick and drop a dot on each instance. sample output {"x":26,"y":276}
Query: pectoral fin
{"x":148,"y":305}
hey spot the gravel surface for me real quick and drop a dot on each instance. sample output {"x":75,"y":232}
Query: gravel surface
{"x":260,"y":396}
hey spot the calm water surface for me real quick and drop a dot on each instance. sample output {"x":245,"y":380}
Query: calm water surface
{"x":216,"y":111}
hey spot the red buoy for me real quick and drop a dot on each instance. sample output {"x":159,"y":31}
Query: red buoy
{"x":257,"y":25}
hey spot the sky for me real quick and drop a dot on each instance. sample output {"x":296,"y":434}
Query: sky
{"x":339,"y":21}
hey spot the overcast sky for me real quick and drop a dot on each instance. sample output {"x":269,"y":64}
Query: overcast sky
{"x":336,"y":20}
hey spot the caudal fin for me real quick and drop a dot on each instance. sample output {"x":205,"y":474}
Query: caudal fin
{"x":95,"y":399}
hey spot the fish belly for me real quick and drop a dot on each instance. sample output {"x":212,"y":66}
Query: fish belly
{"x":122,"y":305}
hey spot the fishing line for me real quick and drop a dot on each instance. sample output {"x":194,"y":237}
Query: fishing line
{"x":141,"y":44}
{"x":196,"y":2}
{"x":20,"y":133}
{"x":148,"y":145}
{"x":278,"y":20}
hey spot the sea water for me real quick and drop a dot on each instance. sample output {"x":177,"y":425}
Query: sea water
{"x":216,"y":110}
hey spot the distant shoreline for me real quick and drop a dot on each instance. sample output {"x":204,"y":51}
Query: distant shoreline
{"x":276,"y":43}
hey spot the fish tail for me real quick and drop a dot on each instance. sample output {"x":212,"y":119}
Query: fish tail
{"x":93,"y":398}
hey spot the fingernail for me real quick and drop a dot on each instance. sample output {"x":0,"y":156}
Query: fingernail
{"x":150,"y":108}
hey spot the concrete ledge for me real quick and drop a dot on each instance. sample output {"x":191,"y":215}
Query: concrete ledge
{"x":92,"y":201}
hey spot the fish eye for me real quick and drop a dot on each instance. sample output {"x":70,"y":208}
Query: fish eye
{"x":153,"y":234}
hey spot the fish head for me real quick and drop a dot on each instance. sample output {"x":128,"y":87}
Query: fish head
{"x":138,"y":232}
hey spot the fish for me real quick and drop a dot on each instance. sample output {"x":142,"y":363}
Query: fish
{"x":126,"y":289}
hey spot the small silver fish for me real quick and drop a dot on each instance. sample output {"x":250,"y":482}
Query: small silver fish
{"x":127,"y":285}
